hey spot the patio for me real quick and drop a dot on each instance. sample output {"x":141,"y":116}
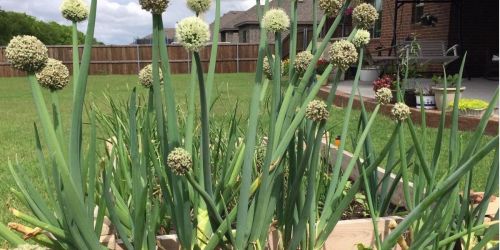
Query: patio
{"x":477,"y":88}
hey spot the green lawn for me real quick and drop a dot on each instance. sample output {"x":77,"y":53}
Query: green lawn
{"x":17,"y":116}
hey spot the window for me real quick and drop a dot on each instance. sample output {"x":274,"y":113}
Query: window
{"x":417,"y":12}
{"x":223,"y":36}
{"x":377,"y":28}
{"x":244,"y":36}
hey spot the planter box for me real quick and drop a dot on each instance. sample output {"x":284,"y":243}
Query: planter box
{"x":397,"y":199}
{"x":346,"y":235}
{"x":450,"y":95}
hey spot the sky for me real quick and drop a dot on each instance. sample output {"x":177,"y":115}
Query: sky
{"x":119,"y":21}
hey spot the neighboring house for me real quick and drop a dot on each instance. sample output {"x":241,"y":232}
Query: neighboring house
{"x":169,"y":37}
{"x":244,"y":27}
{"x":228,"y":32}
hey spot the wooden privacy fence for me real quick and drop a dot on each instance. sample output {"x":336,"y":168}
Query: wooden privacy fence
{"x":129,"y":59}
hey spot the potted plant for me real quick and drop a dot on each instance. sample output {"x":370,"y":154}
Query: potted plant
{"x":471,"y":107}
{"x":429,"y":100}
{"x":440,"y":91}
{"x":387,"y":81}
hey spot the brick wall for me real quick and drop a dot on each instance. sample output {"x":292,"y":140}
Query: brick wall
{"x":405,"y":27}
{"x":480,"y":31}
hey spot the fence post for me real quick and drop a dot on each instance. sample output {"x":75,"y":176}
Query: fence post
{"x":238,"y":57}
{"x":138,"y":58}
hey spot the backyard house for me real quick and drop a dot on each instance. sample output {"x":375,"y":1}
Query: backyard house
{"x":169,"y":37}
{"x":228,"y":32}
{"x":243,"y":26}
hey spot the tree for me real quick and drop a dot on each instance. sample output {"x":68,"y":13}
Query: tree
{"x":51,"y":33}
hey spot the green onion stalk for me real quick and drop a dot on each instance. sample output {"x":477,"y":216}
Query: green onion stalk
{"x":76,"y":55}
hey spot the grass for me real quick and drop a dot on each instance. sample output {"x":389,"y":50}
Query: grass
{"x":17,"y":114}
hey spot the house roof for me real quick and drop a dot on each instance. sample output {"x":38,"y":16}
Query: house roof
{"x":169,"y":33}
{"x":228,"y":20}
{"x":304,"y":13}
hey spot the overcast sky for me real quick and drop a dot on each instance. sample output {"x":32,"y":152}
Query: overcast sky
{"x":118,"y":21}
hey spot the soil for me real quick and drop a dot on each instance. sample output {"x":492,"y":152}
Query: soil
{"x":356,"y":210}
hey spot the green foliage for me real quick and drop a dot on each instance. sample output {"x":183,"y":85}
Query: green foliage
{"x":50,"y":33}
{"x":245,"y":178}
{"x":468,"y":104}
{"x":451,"y":80}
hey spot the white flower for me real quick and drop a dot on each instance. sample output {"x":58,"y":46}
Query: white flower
{"x":361,"y":38}
{"x":400,"y":111}
{"x":154,"y":6}
{"x":74,"y":10}
{"x":54,"y":76}
{"x":275,"y":20}
{"x":331,"y":7}
{"x":302,"y":61}
{"x":364,"y":16}
{"x":198,"y":6}
{"x":179,"y":160}
{"x":146,"y":76}
{"x":383,"y":96}
{"x":316,"y":111}
{"x":192,"y":33}
{"x":343,"y":54}
{"x":26,"y":53}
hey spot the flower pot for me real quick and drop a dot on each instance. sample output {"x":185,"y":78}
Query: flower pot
{"x":369,"y":74}
{"x":429,"y":101}
{"x":450,"y":95}
{"x":408,"y":98}
{"x":472,"y":112}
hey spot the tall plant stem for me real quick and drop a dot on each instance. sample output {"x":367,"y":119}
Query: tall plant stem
{"x":76,"y":56}
{"x":265,"y":188}
{"x":191,"y":111}
{"x":168,"y":90}
{"x":205,"y":139}
{"x":315,"y":27}
{"x":78,"y":102}
{"x":404,"y":168}
{"x":246,"y":171}
{"x":74,"y":194}
{"x":213,"y":53}
{"x":56,"y":112}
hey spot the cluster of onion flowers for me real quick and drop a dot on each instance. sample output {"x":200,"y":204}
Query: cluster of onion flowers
{"x":317,"y":111}
{"x":343,"y":54}
{"x":275,"y":20}
{"x":198,"y":6}
{"x":154,"y":6}
{"x":146,"y":76}
{"x":74,"y":10}
{"x":331,"y":8}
